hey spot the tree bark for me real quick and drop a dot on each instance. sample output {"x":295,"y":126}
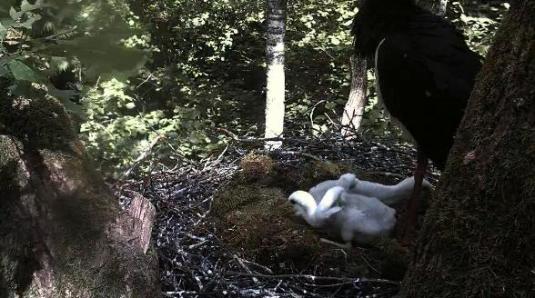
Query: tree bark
{"x":275,"y":86}
{"x":63,"y":233}
{"x":437,"y":7}
{"x":477,"y":238}
{"x":354,"y":108}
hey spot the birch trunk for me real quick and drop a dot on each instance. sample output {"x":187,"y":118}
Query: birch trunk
{"x":275,"y":88}
{"x":354,"y":108}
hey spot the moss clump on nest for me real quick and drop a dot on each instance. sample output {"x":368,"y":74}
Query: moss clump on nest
{"x":254,"y":217}
{"x":290,"y":177}
{"x":256,"y":166}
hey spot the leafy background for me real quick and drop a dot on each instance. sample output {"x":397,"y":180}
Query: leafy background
{"x":172,"y":75}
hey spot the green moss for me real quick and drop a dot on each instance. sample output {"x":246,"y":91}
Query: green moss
{"x":39,"y":122}
{"x":236,"y":196}
{"x":255,"y":218}
{"x":256,"y":166}
{"x":17,"y":258}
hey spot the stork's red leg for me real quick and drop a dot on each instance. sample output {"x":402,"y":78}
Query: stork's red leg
{"x":407,"y":231}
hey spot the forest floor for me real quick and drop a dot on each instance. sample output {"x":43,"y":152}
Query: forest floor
{"x":224,"y":227}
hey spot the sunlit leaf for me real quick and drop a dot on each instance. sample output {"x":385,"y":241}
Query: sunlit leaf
{"x":102,"y":55}
{"x":25,"y":6}
{"x":14,"y":14}
{"x":23,"y":72}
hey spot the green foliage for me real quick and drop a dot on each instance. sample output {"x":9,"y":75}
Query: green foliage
{"x":118,"y":128}
{"x":208,"y":59}
{"x":478,"y":21}
{"x":41,"y":39}
{"x":209,"y":55}
{"x":93,"y":39}
{"x":206,"y":69}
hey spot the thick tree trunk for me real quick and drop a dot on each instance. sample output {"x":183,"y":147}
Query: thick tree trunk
{"x":275,"y":88}
{"x":477,"y":239}
{"x":354,"y":108}
{"x":62,"y":232}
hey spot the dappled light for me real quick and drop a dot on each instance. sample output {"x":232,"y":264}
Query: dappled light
{"x":337,"y":148}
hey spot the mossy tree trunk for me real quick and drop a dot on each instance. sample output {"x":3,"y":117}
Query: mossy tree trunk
{"x":477,"y":239}
{"x":62,"y":232}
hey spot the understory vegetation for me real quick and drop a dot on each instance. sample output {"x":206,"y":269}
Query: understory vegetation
{"x":168,"y":80}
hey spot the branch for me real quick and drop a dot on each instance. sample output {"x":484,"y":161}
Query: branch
{"x":316,"y":277}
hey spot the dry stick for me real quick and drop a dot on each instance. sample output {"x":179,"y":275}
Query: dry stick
{"x":143,"y":156}
{"x":311,"y":115}
{"x":235,"y":137}
{"x":257,"y":265}
{"x":315,"y":277}
{"x":144,"y":81}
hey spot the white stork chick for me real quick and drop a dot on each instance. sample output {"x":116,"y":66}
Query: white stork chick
{"x":388,"y":194}
{"x":347,"y":181}
{"x":352,"y":216}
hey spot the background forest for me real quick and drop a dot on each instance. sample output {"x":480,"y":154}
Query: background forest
{"x":168,"y":99}
{"x":180,"y":78}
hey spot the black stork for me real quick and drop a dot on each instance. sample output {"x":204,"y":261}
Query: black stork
{"x":425,"y":73}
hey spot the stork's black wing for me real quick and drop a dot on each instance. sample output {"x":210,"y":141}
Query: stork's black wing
{"x":425,"y":76}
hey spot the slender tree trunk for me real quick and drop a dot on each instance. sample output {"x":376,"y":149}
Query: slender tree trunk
{"x":62,"y":232}
{"x":354,"y":108}
{"x":477,"y":238}
{"x":276,"y":28}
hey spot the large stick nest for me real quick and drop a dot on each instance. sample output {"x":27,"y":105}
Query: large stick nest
{"x":223,"y":227}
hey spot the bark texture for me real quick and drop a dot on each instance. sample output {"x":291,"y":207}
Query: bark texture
{"x":354,"y":108}
{"x":63,"y":234}
{"x":275,"y":88}
{"x":477,"y":238}
{"x":438,"y":7}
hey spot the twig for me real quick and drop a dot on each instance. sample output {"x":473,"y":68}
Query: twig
{"x":368,"y":263}
{"x":315,"y":277}
{"x":311,"y":115}
{"x":234,"y":137}
{"x":142,"y":156}
{"x":144,"y":81}
{"x":258,"y":265}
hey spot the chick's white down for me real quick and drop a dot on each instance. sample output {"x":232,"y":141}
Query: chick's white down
{"x":388,"y":194}
{"x":350,"y":216}
{"x":353,"y":209}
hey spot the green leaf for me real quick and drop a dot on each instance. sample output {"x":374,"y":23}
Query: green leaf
{"x":74,"y":108}
{"x":29,"y":22}
{"x":23,"y":72}
{"x":3,"y":31}
{"x":7,"y":23}
{"x":25,"y":6}
{"x":4,"y":71}
{"x":102,"y":55}
{"x":14,"y":14}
